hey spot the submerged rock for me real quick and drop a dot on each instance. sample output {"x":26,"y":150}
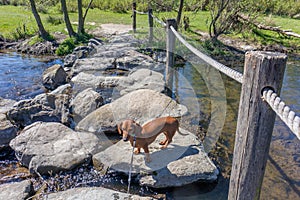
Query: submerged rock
{"x":16,"y":191}
{"x":141,"y":106}
{"x":93,"y":193}
{"x":182,"y":162}
{"x":52,"y":147}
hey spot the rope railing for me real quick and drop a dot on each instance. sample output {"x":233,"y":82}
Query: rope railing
{"x":279,"y":107}
{"x":226,"y":70}
{"x":139,"y":12}
{"x":285,"y":113}
{"x":158,"y":20}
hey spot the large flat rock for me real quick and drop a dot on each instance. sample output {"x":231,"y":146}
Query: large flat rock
{"x":141,"y":106}
{"x":93,"y":193}
{"x":183,"y":162}
{"x":52,"y":147}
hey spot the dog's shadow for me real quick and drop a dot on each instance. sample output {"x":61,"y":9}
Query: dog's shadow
{"x":161,"y":158}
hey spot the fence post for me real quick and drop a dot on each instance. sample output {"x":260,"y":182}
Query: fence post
{"x":134,"y":17}
{"x":170,"y":53}
{"x":150,"y":19}
{"x":255,"y":123}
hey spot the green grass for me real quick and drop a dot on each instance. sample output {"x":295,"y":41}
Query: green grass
{"x":13,"y":17}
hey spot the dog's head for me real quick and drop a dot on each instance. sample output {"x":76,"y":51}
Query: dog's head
{"x":128,"y":128}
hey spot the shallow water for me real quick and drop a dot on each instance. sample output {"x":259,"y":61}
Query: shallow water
{"x":21,"y":75}
{"x":20,"y":78}
{"x":282,"y":177}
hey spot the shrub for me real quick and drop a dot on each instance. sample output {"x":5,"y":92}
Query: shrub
{"x":66,"y":47}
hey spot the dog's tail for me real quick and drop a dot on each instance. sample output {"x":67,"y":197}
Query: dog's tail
{"x":181,"y":132}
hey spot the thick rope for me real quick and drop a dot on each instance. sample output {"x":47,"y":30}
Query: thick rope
{"x":226,"y":70}
{"x":141,"y":13}
{"x":288,"y":116}
{"x":159,"y":21}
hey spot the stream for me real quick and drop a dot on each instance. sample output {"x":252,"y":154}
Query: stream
{"x":20,"y":78}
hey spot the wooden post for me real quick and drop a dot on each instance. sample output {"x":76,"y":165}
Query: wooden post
{"x":150,"y":19}
{"x":134,"y":17}
{"x":255,"y":123}
{"x":170,"y":53}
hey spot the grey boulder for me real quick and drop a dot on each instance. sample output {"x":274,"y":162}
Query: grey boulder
{"x":52,"y":147}
{"x":44,"y":107}
{"x":16,"y":191}
{"x":54,"y":76}
{"x":141,"y":106}
{"x":182,"y":162}
{"x":85,"y":102}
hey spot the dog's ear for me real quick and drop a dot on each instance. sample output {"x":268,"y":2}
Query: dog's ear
{"x":120,"y":128}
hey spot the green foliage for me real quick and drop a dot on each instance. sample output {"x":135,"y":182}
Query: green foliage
{"x":36,"y":39}
{"x":66,"y":47}
{"x":21,"y":32}
{"x":54,"y":20}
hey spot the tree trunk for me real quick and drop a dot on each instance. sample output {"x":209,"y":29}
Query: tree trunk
{"x":179,"y":12}
{"x":42,"y":32}
{"x":80,"y":29}
{"x":66,"y":18}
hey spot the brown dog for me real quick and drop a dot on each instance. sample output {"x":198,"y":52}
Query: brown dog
{"x":145,"y":135}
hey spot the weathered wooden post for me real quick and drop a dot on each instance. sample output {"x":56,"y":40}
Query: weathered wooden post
{"x":170,"y":53}
{"x":134,"y":17}
{"x":150,"y":19}
{"x":255,"y":123}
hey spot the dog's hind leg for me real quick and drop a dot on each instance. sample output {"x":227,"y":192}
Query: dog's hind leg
{"x":163,"y":142}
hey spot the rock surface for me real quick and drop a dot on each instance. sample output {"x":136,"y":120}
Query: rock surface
{"x":7,"y":131}
{"x":142,"y":79}
{"x":54,"y":76}
{"x":85,"y":102}
{"x":84,"y":80}
{"x":53,"y":147}
{"x":6,"y":105}
{"x":141,"y":105}
{"x":16,"y":191}
{"x":93,"y":193}
{"x":44,"y":107}
{"x":182,"y":163}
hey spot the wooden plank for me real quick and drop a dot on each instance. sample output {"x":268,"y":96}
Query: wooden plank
{"x":150,"y":20}
{"x":255,"y":123}
{"x":170,"y":53}
{"x":134,"y":17}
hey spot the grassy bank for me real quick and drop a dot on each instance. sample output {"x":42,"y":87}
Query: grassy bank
{"x":18,"y":20}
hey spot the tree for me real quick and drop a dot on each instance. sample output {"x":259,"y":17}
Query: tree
{"x":179,"y":12}
{"x":225,"y":16}
{"x":81,"y":17}
{"x":42,"y":32}
{"x":67,"y":19}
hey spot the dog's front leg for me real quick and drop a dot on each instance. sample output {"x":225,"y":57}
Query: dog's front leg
{"x":147,"y":155}
{"x":137,"y":150}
